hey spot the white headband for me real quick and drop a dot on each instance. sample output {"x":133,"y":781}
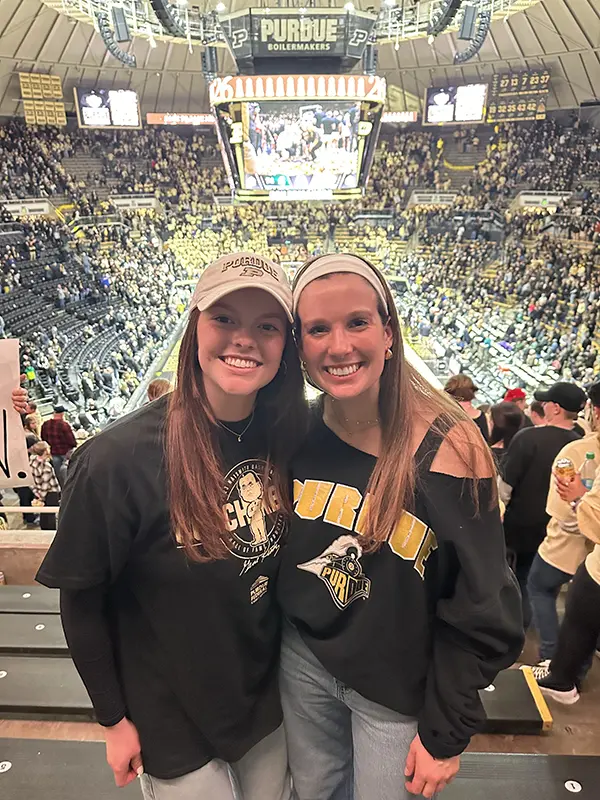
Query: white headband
{"x":338,"y":262}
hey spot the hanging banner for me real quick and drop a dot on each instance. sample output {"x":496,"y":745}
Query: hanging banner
{"x":14,"y":462}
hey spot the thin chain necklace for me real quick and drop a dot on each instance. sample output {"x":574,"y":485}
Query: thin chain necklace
{"x":344,"y":421}
{"x":238,"y":436}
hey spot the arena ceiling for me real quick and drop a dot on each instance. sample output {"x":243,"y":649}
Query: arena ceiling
{"x":48,"y":37}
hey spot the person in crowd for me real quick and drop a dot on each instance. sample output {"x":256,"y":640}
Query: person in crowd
{"x":36,"y":418}
{"x":519,"y":398}
{"x":25,"y":493}
{"x":463,"y":390}
{"x":564,"y":547}
{"x":157,"y":388}
{"x":398,"y":598}
{"x":536,"y":413}
{"x":59,"y":435}
{"x":178,"y":507}
{"x":580,"y":628}
{"x":46,"y":487}
{"x":507,"y":420}
{"x":526,"y":475}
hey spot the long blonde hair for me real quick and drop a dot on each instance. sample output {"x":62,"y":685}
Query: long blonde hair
{"x":404,"y":395}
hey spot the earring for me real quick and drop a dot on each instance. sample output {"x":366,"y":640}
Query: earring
{"x":303,"y":365}
{"x":388,"y":354}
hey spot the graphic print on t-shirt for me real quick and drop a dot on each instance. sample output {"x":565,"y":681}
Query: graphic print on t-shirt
{"x":340,"y":570}
{"x":254,"y":522}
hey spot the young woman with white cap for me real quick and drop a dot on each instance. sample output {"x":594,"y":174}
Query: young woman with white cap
{"x":399,"y":602}
{"x":169,"y":613}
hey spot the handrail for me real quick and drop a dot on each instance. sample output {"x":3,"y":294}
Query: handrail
{"x":29,"y":509}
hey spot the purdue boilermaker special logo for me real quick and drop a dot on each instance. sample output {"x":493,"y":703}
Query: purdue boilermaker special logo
{"x":255,"y":523}
{"x":340,"y":570}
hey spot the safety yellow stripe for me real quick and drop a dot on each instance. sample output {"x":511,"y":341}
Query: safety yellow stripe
{"x":538,"y":699}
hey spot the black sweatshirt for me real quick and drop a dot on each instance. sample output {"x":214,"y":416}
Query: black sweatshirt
{"x":420,"y":625}
{"x":188,"y":651}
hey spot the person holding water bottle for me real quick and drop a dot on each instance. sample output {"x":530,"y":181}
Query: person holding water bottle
{"x":580,"y":629}
{"x":564,"y":547}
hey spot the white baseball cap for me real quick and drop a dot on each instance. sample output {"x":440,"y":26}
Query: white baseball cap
{"x":242,"y":271}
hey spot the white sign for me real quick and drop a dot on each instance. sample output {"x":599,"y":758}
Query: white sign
{"x":14,"y":462}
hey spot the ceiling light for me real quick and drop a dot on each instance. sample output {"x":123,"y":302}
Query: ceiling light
{"x":220,"y":7}
{"x":390,"y":3}
{"x":302,"y":11}
{"x":349,"y":7}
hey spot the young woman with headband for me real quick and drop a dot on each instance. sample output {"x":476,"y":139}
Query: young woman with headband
{"x":394,"y":581}
{"x":168,"y":546}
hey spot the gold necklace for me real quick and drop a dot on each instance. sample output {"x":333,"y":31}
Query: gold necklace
{"x":367,"y":423}
{"x":234,"y":433}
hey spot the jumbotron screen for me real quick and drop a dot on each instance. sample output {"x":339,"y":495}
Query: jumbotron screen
{"x":107,"y":108}
{"x":298,"y":137}
{"x":455,"y":104}
{"x":303,"y":146}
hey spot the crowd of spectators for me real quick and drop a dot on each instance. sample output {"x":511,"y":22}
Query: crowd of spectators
{"x":531,"y":308}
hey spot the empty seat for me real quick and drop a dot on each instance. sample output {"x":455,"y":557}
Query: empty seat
{"x":28,"y":600}
{"x":34,"y":687}
{"x":34,"y":634}
{"x":514,"y":704}
{"x":495,"y":776}
{"x":43,"y":769}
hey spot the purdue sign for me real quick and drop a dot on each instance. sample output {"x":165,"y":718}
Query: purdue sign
{"x":299,"y":34}
{"x":283,"y":32}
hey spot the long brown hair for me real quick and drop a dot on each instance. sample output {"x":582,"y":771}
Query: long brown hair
{"x":405,"y":395}
{"x":194,"y":466}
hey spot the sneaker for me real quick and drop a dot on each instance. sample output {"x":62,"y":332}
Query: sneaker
{"x":550,"y":688}
{"x":541,"y":670}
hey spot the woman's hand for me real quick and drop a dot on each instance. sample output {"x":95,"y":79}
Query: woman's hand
{"x":428,"y":775}
{"x":123,"y":752}
{"x":20,"y":399}
{"x":572,"y":490}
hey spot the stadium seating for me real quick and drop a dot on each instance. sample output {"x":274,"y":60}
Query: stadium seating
{"x":69,"y":295}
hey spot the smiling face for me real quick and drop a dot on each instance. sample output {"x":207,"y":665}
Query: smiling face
{"x":240,"y":344}
{"x":343,"y":338}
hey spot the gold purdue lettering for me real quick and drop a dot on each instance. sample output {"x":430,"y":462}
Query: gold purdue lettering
{"x":407,"y":537}
{"x":313,"y":498}
{"x":338,"y":582}
{"x":429,"y":545}
{"x":341,"y":509}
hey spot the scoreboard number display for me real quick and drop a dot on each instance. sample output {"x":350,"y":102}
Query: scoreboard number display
{"x":519,"y":96}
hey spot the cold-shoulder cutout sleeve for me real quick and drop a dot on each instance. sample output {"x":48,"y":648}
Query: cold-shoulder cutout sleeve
{"x":463,"y":453}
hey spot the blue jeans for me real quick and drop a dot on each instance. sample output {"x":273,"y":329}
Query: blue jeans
{"x":341,"y":746}
{"x":543,"y":585}
{"x":262,"y":774}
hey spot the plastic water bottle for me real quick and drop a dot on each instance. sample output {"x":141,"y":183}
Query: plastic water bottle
{"x":587,"y":473}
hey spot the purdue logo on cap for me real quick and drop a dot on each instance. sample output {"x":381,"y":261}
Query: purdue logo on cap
{"x":254,"y":267}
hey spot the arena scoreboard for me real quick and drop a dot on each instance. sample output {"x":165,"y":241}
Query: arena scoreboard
{"x":107,"y":108}
{"x":518,"y":96}
{"x":297,"y":137}
{"x":452,"y":105}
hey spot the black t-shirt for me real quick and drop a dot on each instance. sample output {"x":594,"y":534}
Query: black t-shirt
{"x":196,"y":645}
{"x":482,"y":424}
{"x":423,"y":623}
{"x":527,"y":468}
